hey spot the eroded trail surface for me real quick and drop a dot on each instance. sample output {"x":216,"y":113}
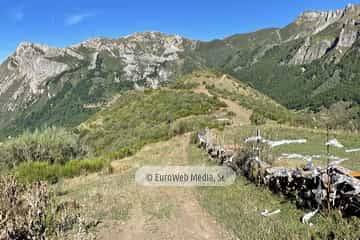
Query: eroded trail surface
{"x":242,"y":114}
{"x":131,"y":211}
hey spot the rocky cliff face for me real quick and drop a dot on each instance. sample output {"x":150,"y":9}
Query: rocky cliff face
{"x":146,"y":59}
{"x":23,"y":75}
{"x":325,"y":32}
{"x":310,"y":51}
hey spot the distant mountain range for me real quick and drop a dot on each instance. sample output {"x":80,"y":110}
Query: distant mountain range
{"x":313,"y":63}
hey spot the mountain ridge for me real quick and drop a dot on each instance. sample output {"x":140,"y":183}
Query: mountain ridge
{"x":39,"y":81}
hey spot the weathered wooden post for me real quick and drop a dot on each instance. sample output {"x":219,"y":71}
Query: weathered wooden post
{"x":258,"y":136}
{"x":327,"y":167}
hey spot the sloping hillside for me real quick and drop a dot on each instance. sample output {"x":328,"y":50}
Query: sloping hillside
{"x":312,"y":64}
{"x":138,"y":118}
{"x":230,"y":89}
{"x":42,"y":85}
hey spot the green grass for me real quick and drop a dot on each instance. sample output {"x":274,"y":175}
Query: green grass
{"x":157,"y":208}
{"x":52,"y":145}
{"x":265,"y":107}
{"x":121,"y":212}
{"x":315,"y":144}
{"x":42,"y":171}
{"x":239,"y":205}
{"x":139,"y":118}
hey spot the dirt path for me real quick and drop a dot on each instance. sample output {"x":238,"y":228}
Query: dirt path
{"x":242,"y":115}
{"x":130,"y":211}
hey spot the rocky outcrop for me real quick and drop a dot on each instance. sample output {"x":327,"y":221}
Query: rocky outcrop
{"x":310,"y":51}
{"x":23,"y":74}
{"x":148,"y":59}
{"x":151,"y":57}
{"x":347,"y":38}
{"x":325,"y":31}
{"x":313,"y":22}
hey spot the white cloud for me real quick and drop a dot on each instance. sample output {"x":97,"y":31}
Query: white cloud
{"x":77,"y":18}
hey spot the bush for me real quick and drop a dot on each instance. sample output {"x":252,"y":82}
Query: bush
{"x":43,"y":171}
{"x":183,"y":85}
{"x":195,"y":123}
{"x":139,"y":118}
{"x":52,"y":145}
{"x":31,"y":212}
{"x":257,"y":118}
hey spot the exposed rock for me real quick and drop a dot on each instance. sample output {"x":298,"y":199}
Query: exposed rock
{"x":347,"y":38}
{"x":92,"y":65}
{"x":316,"y":21}
{"x":28,"y":68}
{"x":341,"y":33}
{"x":148,"y":59}
{"x":310,"y":51}
{"x":149,"y":56}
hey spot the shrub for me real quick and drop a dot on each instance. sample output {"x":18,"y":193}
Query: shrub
{"x":257,"y":118}
{"x":195,"y":123}
{"x":180,"y":84}
{"x":30,"y":212}
{"x":139,"y":118}
{"x":43,"y":171}
{"x":52,"y":145}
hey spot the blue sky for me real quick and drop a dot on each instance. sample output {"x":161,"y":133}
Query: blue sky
{"x":65,"y":22}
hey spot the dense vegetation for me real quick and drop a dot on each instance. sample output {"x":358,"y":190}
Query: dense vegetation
{"x":135,"y":119}
{"x":51,"y":145}
{"x":29,"y":172}
{"x":48,"y":154}
{"x":263,"y":62}
{"x":75,"y":101}
{"x":138,"y":118}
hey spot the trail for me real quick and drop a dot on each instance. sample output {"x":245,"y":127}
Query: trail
{"x":242,"y":115}
{"x":155,"y":213}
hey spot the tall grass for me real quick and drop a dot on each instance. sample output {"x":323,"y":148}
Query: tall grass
{"x":29,"y":172}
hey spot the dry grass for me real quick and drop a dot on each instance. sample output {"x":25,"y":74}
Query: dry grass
{"x":131,"y":211}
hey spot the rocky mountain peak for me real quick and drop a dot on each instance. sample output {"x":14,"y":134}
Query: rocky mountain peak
{"x":146,"y":59}
{"x":320,"y":18}
{"x":313,"y":22}
{"x":28,"y":68}
{"x":151,"y":56}
{"x":151,"y":37}
{"x":327,"y":31}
